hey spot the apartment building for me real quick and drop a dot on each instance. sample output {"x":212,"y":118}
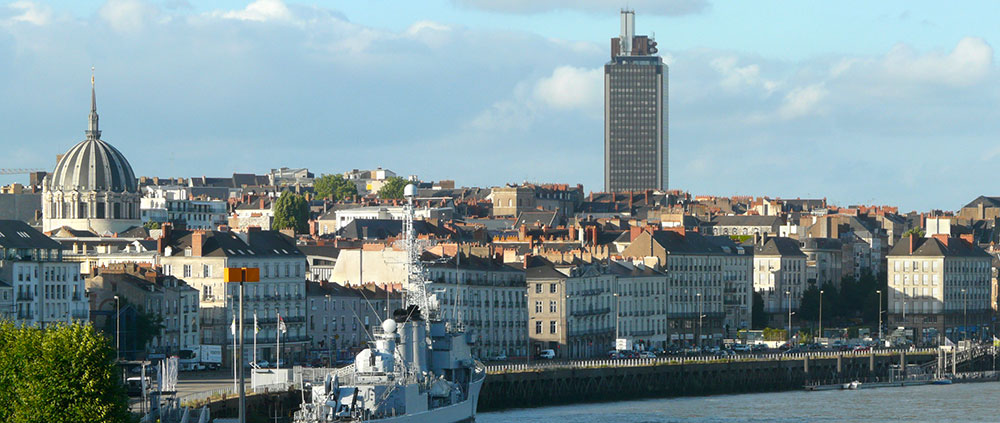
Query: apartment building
{"x":939,"y":286}
{"x":779,"y":274}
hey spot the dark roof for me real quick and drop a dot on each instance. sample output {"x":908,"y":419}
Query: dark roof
{"x":933,"y":247}
{"x":135,"y":232}
{"x":536,"y":218}
{"x":627,"y":269}
{"x":694,"y":243}
{"x":381,"y":228}
{"x":987,"y":202}
{"x":779,"y":246}
{"x":236,"y":244}
{"x":320,"y":250}
{"x":821,"y":244}
{"x":17,"y":234}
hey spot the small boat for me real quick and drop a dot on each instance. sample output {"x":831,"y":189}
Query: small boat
{"x":852,"y":385}
{"x":941,"y":381}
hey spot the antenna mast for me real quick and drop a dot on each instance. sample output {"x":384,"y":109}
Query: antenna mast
{"x":416,"y":283}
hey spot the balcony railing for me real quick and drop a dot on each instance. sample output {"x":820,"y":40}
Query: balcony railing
{"x":590,"y":312}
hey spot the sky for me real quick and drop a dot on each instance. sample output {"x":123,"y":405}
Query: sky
{"x":859,"y":102}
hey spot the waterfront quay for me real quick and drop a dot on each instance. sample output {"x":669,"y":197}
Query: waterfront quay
{"x":550,"y":383}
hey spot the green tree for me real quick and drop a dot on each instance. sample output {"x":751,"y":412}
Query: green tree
{"x":151,"y":225}
{"x":916,"y":231}
{"x":64,"y":373}
{"x":809,"y":306}
{"x":291,"y":212}
{"x":392,"y":188}
{"x":758,"y":319}
{"x":335,"y":186}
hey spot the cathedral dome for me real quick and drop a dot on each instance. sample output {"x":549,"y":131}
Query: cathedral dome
{"x":93,"y":165}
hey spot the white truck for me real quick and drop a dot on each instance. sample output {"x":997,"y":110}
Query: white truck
{"x":201,"y":358}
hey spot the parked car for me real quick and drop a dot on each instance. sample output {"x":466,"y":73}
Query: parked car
{"x":547,"y":354}
{"x":500,"y":357}
{"x":862,"y":348}
{"x":647,"y":354}
{"x":742,"y":348}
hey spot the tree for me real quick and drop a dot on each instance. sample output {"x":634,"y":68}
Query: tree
{"x":809,"y":307}
{"x":392,"y":188}
{"x":151,"y":225}
{"x":914,"y":231}
{"x":291,"y":212}
{"x":334,"y":186}
{"x":757,"y":317}
{"x":63,"y":373}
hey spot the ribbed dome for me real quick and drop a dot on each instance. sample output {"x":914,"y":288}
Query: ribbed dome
{"x":93,"y":165}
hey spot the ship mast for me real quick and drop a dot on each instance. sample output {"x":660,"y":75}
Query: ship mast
{"x":416,"y":282}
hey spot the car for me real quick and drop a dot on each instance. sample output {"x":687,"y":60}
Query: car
{"x":742,"y":348}
{"x":793,"y":350}
{"x":547,"y":354}
{"x":500,"y":357}
{"x":862,"y":348}
{"x":647,"y":354}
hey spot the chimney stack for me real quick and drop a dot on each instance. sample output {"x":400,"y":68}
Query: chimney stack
{"x":197,"y":242}
{"x":913,"y":243}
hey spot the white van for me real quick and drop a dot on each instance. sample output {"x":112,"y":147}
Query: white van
{"x":547,"y":354}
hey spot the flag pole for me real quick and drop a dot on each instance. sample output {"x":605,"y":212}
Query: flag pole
{"x":232,"y":329}
{"x":277,"y":363}
{"x":255,"y":337}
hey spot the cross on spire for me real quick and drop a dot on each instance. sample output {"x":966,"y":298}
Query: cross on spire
{"x":93,"y":130}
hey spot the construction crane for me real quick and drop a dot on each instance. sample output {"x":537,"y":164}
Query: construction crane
{"x":11,"y":171}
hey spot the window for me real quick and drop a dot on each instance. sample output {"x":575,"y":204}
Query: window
{"x":552,"y":288}
{"x":187,"y":270}
{"x":552,"y":326}
{"x":538,"y":327}
{"x":538,"y":288}
{"x":552,"y":306}
{"x":538,"y":306}
{"x":206,"y":271}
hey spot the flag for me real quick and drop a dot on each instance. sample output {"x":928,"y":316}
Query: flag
{"x":232,"y":327}
{"x":947,"y":342}
{"x":996,"y":342}
{"x":255,"y":327}
{"x":281,"y":325}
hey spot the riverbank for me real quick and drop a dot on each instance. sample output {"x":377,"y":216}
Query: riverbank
{"x":919,"y":404}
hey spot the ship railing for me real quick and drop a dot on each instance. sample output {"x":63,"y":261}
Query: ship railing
{"x":643,"y":362}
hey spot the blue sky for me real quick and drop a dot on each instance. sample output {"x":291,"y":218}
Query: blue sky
{"x":860,"y":102}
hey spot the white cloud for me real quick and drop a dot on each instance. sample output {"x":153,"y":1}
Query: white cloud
{"x":127,"y":15}
{"x":651,"y":7}
{"x":30,"y":12}
{"x":261,"y":11}
{"x":571,"y":88}
{"x":967,"y":64}
{"x":802,"y":101}
{"x":738,"y":77}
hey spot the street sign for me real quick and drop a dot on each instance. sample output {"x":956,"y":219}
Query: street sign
{"x":241,"y":274}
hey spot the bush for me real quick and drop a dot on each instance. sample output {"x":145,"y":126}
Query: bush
{"x":64,"y":373}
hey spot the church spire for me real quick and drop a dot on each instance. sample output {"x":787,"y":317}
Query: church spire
{"x":93,"y":131}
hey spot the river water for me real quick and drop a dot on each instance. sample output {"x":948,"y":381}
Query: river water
{"x":969,"y":402}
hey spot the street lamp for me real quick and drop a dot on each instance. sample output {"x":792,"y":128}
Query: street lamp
{"x":118,"y":328}
{"x":965,"y":315}
{"x":821,"y":313}
{"x":879,"y":315}
{"x":700,"y":315}
{"x":789,"y":295}
{"x":617,"y":301}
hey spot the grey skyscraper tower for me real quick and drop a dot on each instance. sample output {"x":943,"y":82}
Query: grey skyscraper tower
{"x":635,"y":113}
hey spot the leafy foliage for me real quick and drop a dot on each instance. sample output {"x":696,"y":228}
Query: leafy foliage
{"x":291,"y":212}
{"x":151,"y":225}
{"x":914,"y":231}
{"x":392,"y":188}
{"x":64,"y":373}
{"x":758,"y":319}
{"x":335,"y":186}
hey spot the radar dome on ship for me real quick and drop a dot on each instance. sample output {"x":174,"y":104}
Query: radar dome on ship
{"x":389,"y":326}
{"x":410,"y":190}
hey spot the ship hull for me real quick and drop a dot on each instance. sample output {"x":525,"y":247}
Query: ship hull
{"x":464,"y":411}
